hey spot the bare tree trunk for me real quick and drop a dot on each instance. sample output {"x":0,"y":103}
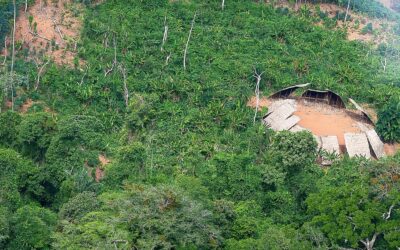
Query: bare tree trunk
{"x":40,"y":72}
{"x":347,"y":10}
{"x":387,"y":214}
{"x":257,"y":92}
{"x":223,"y":4}
{"x":26,"y":5}
{"x":167,"y":59}
{"x":84,"y":75}
{"x":187,"y":43}
{"x":384,"y":63}
{"x":57,"y":28}
{"x":369,"y":244}
{"x":13,"y":38}
{"x":13,"y":56}
{"x":165,"y":34}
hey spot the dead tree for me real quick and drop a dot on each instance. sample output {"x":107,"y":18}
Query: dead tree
{"x":369,"y":244}
{"x":13,"y":56}
{"x":165,"y":34}
{"x":387,"y":214}
{"x":167,"y":59}
{"x":384,"y":64}
{"x":26,"y":5}
{"x":84,"y":75}
{"x":57,"y":28}
{"x":187,"y":42}
{"x":126,"y":91}
{"x":40,"y":70}
{"x":114,"y":64}
{"x":257,"y":76}
{"x":13,"y":39}
{"x":223,"y":4}
{"x":347,"y":11}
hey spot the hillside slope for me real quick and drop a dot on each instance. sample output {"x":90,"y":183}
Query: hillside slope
{"x":145,"y":140}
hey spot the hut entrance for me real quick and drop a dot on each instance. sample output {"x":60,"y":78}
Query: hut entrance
{"x":325,"y":96}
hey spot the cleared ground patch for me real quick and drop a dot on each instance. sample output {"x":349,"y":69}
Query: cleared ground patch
{"x":50,"y":30}
{"x":323,"y":120}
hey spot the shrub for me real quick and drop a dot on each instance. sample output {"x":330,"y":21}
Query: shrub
{"x":8,"y":132}
{"x":388,"y":125}
{"x":35,"y":133}
{"x":79,"y":206}
{"x":368,"y":29}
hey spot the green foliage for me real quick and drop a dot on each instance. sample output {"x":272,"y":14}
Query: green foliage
{"x":293,"y":150}
{"x":353,"y":205}
{"x":172,"y":221}
{"x":388,"y":125}
{"x":368,"y":29}
{"x":9,"y":122}
{"x":190,"y":130}
{"x":346,"y":214}
{"x":32,"y":228}
{"x":78,"y":206}
{"x":4,"y":226}
{"x":78,"y":142}
{"x":34,"y":134}
{"x":141,"y":111}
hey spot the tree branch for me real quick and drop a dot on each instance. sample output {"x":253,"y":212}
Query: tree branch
{"x":40,"y":72}
{"x":387,"y":214}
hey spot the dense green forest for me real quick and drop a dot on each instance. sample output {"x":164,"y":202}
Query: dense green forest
{"x":189,"y":169}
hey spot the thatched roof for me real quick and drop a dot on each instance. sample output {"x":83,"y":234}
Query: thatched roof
{"x":365,"y":113}
{"x":357,"y":145}
{"x":286,"y":92}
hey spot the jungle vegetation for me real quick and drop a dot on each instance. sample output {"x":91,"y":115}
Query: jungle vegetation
{"x":189,"y":168}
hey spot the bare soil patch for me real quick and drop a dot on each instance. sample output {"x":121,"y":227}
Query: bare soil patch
{"x":99,"y":174}
{"x":103,"y":160}
{"x":262,"y":103}
{"x":50,"y":28}
{"x":391,"y":149}
{"x":354,"y":25}
{"x":25,"y":107}
{"x":324,"y":120}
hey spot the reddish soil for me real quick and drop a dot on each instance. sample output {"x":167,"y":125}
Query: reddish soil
{"x":324,"y":120}
{"x":354,"y":26}
{"x":26,"y":106}
{"x":99,"y":174}
{"x":57,"y":31}
{"x":262,"y":103}
{"x":103,"y":160}
{"x":391,"y":149}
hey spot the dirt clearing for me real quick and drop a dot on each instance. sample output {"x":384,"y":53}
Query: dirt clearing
{"x":50,"y":30}
{"x":324,"y":120}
